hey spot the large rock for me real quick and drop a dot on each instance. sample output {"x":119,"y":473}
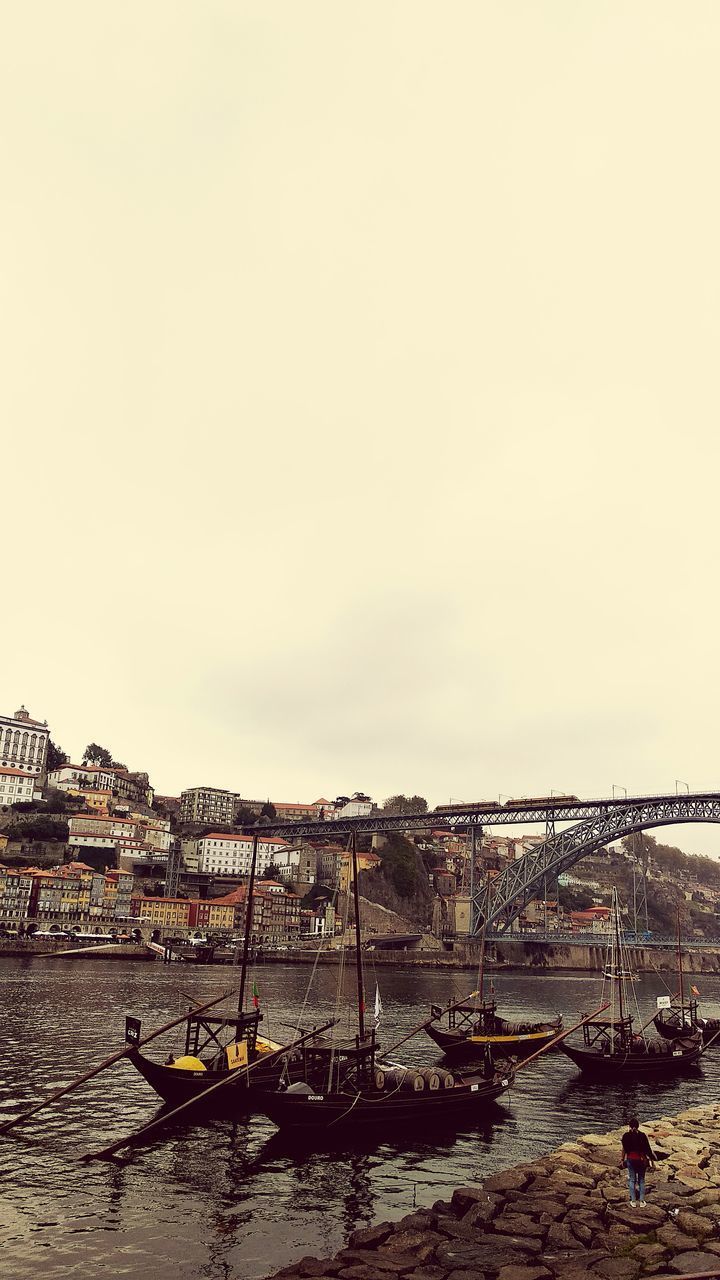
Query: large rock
{"x":574,"y":1272}
{"x":317,"y":1267}
{"x":369,"y":1236}
{"x":421,"y":1220}
{"x":508,"y":1180}
{"x":693,"y":1260}
{"x":524,"y":1273}
{"x":561,"y":1236}
{"x":614,"y":1194}
{"x":637,"y":1219}
{"x":694,"y":1225}
{"x":419,"y":1243}
{"x":708,"y":1196}
{"x":481,"y":1213}
{"x":362,"y":1271}
{"x":649,"y":1254}
{"x":608,"y":1157}
{"x":675,"y":1239}
{"x":459,"y":1228}
{"x":487,"y":1255}
{"x":515,"y":1224}
{"x":427,"y":1272}
{"x":391,"y":1264}
{"x":545,"y":1206}
{"x":568,"y":1178}
{"x":465,"y":1197}
{"x":618,"y":1269}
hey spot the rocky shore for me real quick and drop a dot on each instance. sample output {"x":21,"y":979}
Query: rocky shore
{"x":565,"y":1216}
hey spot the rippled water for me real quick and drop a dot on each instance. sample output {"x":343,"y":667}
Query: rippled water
{"x":222,"y":1200}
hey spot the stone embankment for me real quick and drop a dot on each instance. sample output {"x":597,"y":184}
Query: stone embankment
{"x":565,"y":1216}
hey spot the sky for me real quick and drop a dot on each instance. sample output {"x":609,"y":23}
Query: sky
{"x":359,"y":393}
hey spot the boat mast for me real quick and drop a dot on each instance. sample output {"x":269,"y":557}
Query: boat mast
{"x":481,"y":983}
{"x":618,"y":955}
{"x":680,"y":970}
{"x":248,"y":922}
{"x":358,"y":954}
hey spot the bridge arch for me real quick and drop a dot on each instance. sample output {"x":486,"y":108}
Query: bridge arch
{"x":514,"y":887}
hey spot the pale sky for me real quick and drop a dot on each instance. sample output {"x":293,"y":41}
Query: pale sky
{"x":359,"y":392}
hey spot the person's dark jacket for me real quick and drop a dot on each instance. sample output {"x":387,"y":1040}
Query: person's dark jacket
{"x":636,"y":1147}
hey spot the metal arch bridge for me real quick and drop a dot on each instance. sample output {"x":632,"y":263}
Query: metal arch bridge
{"x":596,"y":823}
{"x":514,"y":887}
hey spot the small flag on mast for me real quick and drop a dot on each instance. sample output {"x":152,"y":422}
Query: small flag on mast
{"x":378,"y":1005}
{"x":255,"y":996}
{"x":695,"y":991}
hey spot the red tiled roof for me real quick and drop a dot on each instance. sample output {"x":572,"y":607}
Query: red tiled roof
{"x":18,"y":773}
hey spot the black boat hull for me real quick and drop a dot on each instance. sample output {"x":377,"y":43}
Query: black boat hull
{"x":175,"y":1085}
{"x":455,"y":1043}
{"x":634,"y":1066}
{"x":346,"y":1112}
{"x":709,"y":1028}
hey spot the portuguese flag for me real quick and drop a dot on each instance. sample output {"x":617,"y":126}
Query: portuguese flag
{"x":256,"y":996}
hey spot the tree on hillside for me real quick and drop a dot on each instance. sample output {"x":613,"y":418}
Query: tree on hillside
{"x":269,"y":811}
{"x":405,"y":804}
{"x":95,"y":754}
{"x":244,"y":816}
{"x":56,"y":757}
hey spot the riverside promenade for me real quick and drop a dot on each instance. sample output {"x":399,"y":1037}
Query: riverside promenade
{"x":565,"y":1216}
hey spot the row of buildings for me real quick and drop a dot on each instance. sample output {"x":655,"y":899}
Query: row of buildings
{"x":73,"y":892}
{"x":203,"y":805}
{"x":276,"y":917}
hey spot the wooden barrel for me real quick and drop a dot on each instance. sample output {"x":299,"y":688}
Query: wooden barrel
{"x":445,"y":1077}
{"x":431,"y":1078}
{"x":404,"y":1078}
{"x":379,"y":1078}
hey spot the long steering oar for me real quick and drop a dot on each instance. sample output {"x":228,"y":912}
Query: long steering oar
{"x":562,"y":1036}
{"x":191,"y":1102}
{"x":422,"y":1025}
{"x":114,"y":1057}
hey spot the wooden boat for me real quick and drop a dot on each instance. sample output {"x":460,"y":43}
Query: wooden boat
{"x":612,"y":1051}
{"x":216,"y":1046}
{"x":361,"y":1090}
{"x":348,"y":1086}
{"x":680,"y":1017}
{"x":683,"y":1019}
{"x":471,"y":1028}
{"x":474,"y":1026}
{"x":611,"y":1048}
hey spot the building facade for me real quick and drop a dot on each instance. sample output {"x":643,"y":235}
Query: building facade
{"x":23,"y":744}
{"x":82,"y":779}
{"x":208,"y":804}
{"x":16,"y":785}
{"x":232,"y":854}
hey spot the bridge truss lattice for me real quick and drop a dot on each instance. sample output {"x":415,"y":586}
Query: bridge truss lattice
{"x":518,"y":884}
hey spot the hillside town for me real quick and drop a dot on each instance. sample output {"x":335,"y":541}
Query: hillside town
{"x":92,"y":844}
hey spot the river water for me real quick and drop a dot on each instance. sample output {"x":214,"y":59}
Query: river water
{"x":222,"y":1200}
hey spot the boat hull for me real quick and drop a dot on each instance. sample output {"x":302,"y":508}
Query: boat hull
{"x":635,"y":1066}
{"x":345,"y":1111}
{"x":176,"y":1086}
{"x":709,"y":1028}
{"x":455,"y":1044}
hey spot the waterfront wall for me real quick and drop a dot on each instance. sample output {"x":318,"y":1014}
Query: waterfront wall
{"x":529,"y":954}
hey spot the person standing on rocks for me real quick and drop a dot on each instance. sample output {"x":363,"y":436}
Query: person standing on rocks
{"x":637,"y":1155}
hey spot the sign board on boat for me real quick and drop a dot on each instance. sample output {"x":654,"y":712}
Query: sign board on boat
{"x":663,"y":1002}
{"x":237,"y":1054}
